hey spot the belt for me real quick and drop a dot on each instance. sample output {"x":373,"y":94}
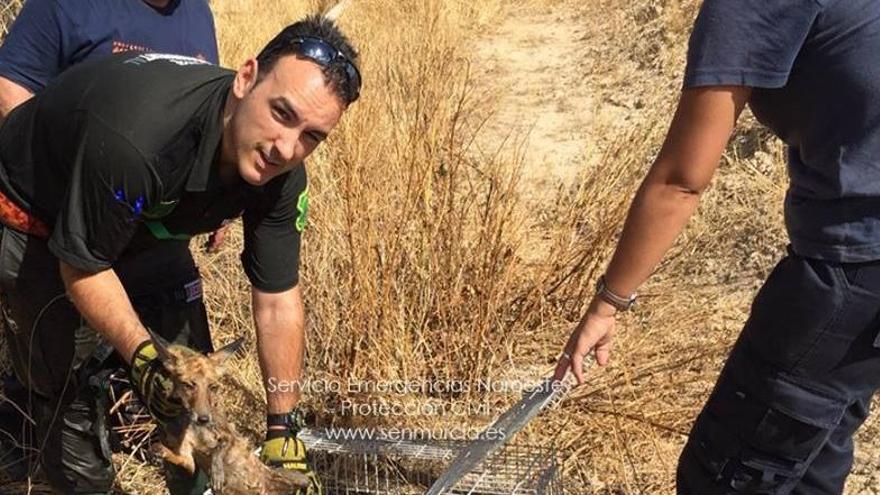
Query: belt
{"x":15,"y":217}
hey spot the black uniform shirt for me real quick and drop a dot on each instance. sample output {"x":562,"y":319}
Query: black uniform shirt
{"x":813,"y":67}
{"x":120,"y":153}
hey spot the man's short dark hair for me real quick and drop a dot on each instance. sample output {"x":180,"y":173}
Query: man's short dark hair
{"x":314,"y":26}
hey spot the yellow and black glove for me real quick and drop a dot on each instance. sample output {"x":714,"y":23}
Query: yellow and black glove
{"x":282,"y":449}
{"x":151,"y":382}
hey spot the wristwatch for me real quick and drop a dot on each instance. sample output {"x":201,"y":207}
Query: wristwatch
{"x":294,"y":420}
{"x":621,"y":303}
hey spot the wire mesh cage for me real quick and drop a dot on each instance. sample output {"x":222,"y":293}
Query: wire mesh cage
{"x":352,"y":465}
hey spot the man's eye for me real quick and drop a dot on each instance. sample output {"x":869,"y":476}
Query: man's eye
{"x":281,"y":114}
{"x":314,"y":137}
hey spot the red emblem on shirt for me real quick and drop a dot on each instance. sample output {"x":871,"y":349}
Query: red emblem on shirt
{"x":122,"y":47}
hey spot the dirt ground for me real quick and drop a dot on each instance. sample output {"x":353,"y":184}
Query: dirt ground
{"x":540,"y":96}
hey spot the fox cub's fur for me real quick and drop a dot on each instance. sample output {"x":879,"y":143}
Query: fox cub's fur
{"x":204,"y":438}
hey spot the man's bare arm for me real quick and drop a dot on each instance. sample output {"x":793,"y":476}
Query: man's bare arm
{"x":280,"y":322}
{"x":102,"y":300}
{"x":11,"y":96}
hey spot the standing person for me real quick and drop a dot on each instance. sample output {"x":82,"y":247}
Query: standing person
{"x":799,"y":379}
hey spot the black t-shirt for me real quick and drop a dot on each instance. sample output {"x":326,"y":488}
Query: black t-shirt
{"x":120,"y":153}
{"x":812,"y":64}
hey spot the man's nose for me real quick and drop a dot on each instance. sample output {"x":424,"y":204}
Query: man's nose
{"x":286,"y":145}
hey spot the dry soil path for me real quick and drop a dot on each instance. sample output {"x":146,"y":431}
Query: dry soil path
{"x":543,"y":109}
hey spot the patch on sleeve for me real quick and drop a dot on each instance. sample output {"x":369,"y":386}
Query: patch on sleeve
{"x":302,"y":205}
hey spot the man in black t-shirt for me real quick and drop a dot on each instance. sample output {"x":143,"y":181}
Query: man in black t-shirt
{"x":118,"y":154}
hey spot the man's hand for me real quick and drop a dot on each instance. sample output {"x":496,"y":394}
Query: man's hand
{"x":152,"y":383}
{"x":215,"y":239}
{"x":594,"y":332}
{"x":283,"y":450}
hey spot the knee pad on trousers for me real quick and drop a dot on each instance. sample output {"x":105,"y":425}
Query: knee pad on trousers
{"x":756,"y":434}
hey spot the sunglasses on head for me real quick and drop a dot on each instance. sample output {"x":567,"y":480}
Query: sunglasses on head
{"x":325,"y":54}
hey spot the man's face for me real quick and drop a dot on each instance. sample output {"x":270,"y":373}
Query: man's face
{"x":278,"y":121}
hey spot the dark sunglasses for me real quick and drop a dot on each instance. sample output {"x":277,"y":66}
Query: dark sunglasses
{"x":325,"y":54}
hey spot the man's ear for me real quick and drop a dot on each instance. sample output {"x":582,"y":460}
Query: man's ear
{"x":245,"y":78}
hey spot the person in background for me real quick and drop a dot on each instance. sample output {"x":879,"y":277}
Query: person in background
{"x":47,"y":38}
{"x":799,"y":379}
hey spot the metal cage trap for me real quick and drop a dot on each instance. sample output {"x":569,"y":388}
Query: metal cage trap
{"x":352,"y":464}
{"x":384,"y":467}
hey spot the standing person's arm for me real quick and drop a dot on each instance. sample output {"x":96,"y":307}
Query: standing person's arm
{"x":665,"y":201}
{"x":39,"y":44}
{"x":735,"y":45}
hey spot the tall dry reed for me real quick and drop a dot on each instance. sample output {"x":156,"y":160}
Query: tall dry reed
{"x":411,"y":243}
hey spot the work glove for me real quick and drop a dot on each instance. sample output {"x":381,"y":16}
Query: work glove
{"x":282,"y":449}
{"x":151,"y":382}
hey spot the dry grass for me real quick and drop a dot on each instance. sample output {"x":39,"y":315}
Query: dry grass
{"x":423,"y":262}
{"x":7,"y":13}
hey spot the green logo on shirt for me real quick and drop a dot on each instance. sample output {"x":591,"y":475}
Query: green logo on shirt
{"x":162,"y":209}
{"x":302,"y":204}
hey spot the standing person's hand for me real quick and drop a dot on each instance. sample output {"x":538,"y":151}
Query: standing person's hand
{"x":594,"y":333}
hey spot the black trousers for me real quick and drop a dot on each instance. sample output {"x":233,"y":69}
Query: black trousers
{"x":54,"y":351}
{"x":796,"y":387}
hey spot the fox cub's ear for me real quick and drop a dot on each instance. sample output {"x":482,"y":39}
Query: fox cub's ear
{"x":161,"y":346}
{"x":221,"y":355}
